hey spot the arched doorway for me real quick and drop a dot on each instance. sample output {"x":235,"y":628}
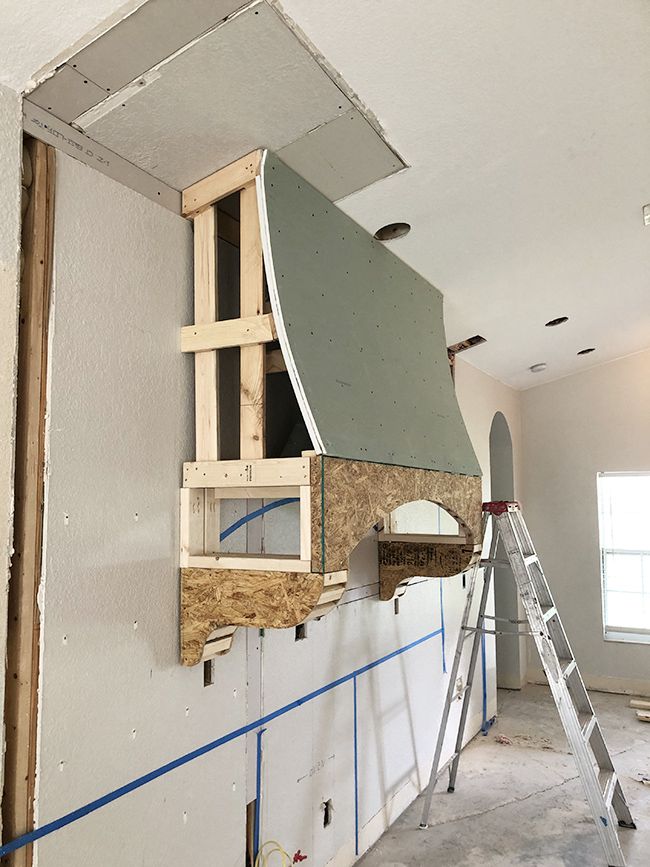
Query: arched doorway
{"x":511,"y":652}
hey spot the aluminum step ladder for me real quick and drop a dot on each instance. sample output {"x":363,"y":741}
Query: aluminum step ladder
{"x":587,"y":744}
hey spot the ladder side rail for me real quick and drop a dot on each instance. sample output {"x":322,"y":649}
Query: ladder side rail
{"x":451,"y":687}
{"x":476,"y":644}
{"x":566,"y":708}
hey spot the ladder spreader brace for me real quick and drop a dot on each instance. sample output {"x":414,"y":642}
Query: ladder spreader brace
{"x":602,"y":787}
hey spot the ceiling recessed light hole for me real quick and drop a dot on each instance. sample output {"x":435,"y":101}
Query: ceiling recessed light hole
{"x":560,"y":320}
{"x":587,"y":350}
{"x":537,"y":368}
{"x":391,"y":231}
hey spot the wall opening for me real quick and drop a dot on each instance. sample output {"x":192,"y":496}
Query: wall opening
{"x":511,"y":652}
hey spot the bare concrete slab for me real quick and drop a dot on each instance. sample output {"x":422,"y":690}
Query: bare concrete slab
{"x":522,"y":804}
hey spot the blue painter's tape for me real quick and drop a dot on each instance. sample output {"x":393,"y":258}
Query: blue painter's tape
{"x":139,"y":782}
{"x":258,"y":795}
{"x":256,"y":514}
{"x":442,"y":628}
{"x":356,"y":769}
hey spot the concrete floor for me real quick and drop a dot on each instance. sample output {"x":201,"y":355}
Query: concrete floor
{"x":523,"y":803}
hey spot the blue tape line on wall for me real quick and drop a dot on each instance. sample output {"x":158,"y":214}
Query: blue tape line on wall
{"x":98,"y":803}
{"x":256,"y":514}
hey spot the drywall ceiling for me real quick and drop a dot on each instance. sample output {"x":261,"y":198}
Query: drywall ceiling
{"x":180,"y":91}
{"x":526,"y":129}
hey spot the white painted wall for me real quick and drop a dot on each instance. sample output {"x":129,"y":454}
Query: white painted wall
{"x":10,"y":159}
{"x":572,"y":429}
{"x":115,"y":703}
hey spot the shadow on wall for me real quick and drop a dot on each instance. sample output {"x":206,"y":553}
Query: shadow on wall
{"x":511,"y":652}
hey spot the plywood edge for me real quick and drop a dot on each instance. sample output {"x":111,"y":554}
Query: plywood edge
{"x":221,"y":183}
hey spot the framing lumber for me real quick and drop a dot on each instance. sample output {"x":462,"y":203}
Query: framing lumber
{"x":21,"y":683}
{"x":221,"y":184}
{"x":226,"y":333}
{"x":272,"y":472}
{"x":275,"y":362}
{"x":206,"y":371}
{"x":252,"y":358}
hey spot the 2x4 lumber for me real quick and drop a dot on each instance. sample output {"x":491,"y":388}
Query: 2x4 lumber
{"x":205,"y":314}
{"x":251,"y":376}
{"x":250,"y":562}
{"x":248,"y":331}
{"x":275,"y":362}
{"x":641,"y":705}
{"x":267,"y":493}
{"x":272,"y":472}
{"x":192,"y":507}
{"x":421,"y":537}
{"x":221,"y":183}
{"x":21,"y":692}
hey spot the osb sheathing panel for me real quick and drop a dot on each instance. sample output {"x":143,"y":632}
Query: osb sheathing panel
{"x":400,"y":561}
{"x":350,"y":497}
{"x":211,"y":598}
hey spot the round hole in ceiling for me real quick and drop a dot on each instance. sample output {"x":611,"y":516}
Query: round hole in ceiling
{"x":587,"y":351}
{"x":391,"y":231}
{"x":537,"y":368}
{"x":560,"y":320}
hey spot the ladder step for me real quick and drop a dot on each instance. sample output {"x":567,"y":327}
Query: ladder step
{"x":446,"y":765}
{"x":569,"y":668}
{"x":608,"y":780}
{"x":588,"y":727}
{"x":532,"y":558}
{"x":493,"y":562}
{"x":551,"y":612}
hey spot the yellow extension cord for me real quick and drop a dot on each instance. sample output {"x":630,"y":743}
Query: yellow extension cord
{"x":262,"y":859}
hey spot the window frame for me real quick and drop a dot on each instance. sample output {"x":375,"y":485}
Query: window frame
{"x":621,"y":634}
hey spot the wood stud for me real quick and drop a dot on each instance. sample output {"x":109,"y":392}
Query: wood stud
{"x":252,"y":372}
{"x":21,"y":690}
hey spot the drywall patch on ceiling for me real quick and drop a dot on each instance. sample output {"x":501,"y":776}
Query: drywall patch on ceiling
{"x":345,"y":138}
{"x":246,"y":82}
{"x":67,"y":94}
{"x":153,"y":32}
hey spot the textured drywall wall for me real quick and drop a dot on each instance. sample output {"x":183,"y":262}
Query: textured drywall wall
{"x":362,"y":335}
{"x":593,"y":422}
{"x":115,"y":702}
{"x":10,"y":157}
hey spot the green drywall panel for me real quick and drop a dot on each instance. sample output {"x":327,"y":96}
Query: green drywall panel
{"x":362,"y":334}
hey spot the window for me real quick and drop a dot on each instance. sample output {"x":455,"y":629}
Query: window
{"x":624,"y":513}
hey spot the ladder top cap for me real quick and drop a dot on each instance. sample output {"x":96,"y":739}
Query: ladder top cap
{"x":498,"y":507}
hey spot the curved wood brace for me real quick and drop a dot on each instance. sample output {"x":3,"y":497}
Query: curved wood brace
{"x":214,"y":598}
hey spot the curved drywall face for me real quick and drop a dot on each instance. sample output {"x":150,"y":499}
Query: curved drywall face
{"x":362,"y":334}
